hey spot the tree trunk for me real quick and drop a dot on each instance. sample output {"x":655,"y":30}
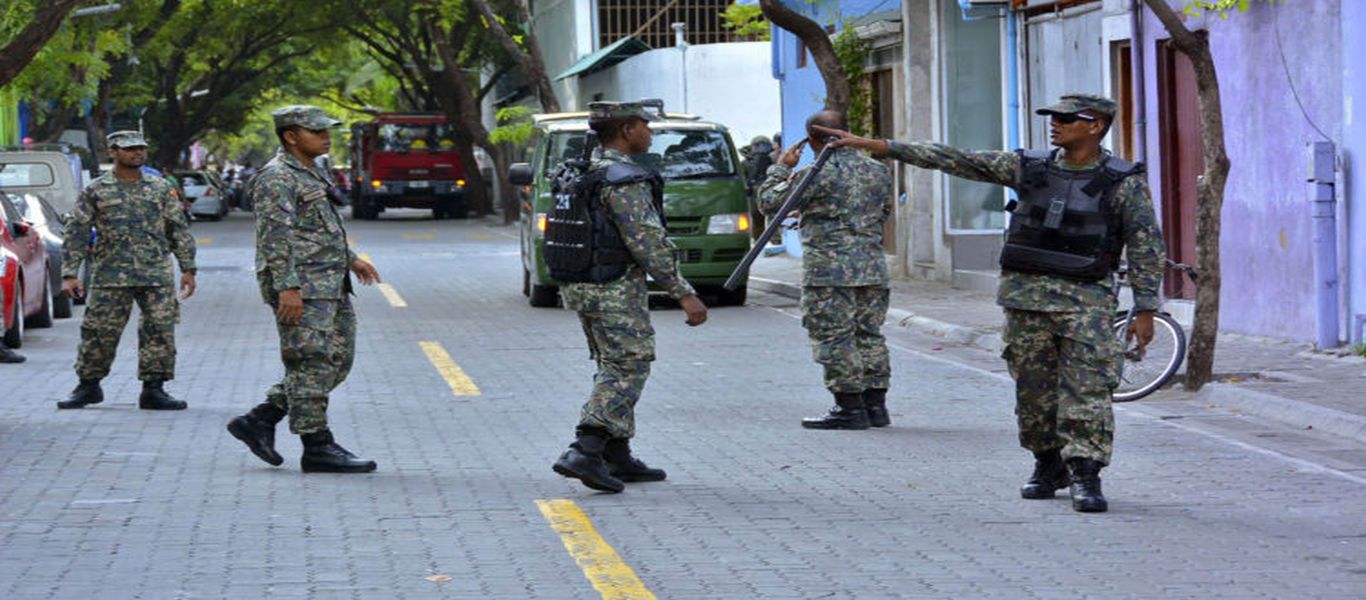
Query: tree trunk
{"x":529,"y":59}
{"x":1210,"y":191}
{"x":822,"y":51}
{"x":20,"y":51}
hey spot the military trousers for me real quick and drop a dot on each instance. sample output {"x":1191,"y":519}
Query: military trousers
{"x":106,"y":314}
{"x":622,"y":342}
{"x":1065,"y":366}
{"x":845,"y":327}
{"x":318,"y":353}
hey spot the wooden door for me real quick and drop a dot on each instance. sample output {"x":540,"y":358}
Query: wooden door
{"x":1182,"y":159}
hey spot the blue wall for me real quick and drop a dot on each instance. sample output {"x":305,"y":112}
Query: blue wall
{"x":803,"y":90}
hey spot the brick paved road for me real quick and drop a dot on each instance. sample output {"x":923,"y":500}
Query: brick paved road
{"x":112,"y":502}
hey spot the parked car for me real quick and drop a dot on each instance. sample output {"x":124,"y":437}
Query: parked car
{"x":28,"y":287}
{"x":50,"y":174}
{"x":704,"y":199}
{"x":205,"y":193}
{"x":52,"y":228}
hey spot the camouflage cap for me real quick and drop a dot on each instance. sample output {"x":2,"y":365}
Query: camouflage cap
{"x":308,"y":117}
{"x":127,"y":138}
{"x":1071,"y":104}
{"x":613,"y":110}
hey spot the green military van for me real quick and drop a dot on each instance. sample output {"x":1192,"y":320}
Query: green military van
{"x":705,"y":205}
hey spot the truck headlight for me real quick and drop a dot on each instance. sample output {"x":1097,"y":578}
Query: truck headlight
{"x":540,"y":224}
{"x":722,"y":224}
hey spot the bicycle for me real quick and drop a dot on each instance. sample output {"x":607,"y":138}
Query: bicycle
{"x":1143,"y":372}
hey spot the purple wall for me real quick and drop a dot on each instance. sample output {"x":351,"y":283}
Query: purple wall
{"x":1266,"y":247}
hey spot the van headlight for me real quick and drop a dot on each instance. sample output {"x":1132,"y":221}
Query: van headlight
{"x":540,"y":224}
{"x":723,"y":224}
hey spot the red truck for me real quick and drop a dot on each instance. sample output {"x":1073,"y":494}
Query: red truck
{"x":406,"y":160}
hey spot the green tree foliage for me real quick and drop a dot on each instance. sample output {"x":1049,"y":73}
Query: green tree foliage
{"x":1197,"y":8}
{"x":852,"y":53}
{"x":746,"y":20}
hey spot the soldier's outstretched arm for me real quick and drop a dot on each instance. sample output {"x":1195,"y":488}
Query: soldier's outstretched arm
{"x":273,"y":201}
{"x":645,"y":237}
{"x":990,"y":166}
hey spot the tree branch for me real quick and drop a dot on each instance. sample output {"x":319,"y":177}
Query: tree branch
{"x":20,"y":51}
{"x":822,"y":50}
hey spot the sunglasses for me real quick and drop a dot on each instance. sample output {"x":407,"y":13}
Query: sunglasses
{"x":1068,"y":119}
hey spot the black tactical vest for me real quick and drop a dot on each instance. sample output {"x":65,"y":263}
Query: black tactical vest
{"x":1065,"y":223}
{"x":582,"y":242}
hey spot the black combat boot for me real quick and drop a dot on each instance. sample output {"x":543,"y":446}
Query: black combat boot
{"x":1086,"y":494}
{"x":583,"y":461}
{"x":256,"y":429}
{"x":85,"y":394}
{"x":1050,"y":475}
{"x":848,"y":413}
{"x":875,"y":400}
{"x":322,"y":454}
{"x":623,"y":466}
{"x":155,"y":398}
{"x":10,"y":356}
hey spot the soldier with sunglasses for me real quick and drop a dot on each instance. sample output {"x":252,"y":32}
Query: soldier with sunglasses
{"x":1079,"y":208}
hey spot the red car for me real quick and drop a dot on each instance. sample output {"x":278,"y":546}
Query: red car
{"x":25,"y":286}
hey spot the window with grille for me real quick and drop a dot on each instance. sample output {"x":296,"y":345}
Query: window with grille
{"x":650,"y":20}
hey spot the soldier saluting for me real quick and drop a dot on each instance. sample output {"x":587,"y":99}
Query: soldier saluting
{"x":1079,"y":209}
{"x":302,"y":261}
{"x":604,"y":268}
{"x":140,"y":224}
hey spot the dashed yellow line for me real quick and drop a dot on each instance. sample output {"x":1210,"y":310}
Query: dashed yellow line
{"x":419,"y":236}
{"x":461,"y":384}
{"x":365,"y":257}
{"x":391,"y":295}
{"x":601,"y":564}
{"x":203,"y":241}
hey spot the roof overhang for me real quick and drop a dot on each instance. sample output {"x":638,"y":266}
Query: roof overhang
{"x":607,"y":56}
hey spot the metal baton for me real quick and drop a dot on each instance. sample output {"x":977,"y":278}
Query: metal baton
{"x":741,"y":272}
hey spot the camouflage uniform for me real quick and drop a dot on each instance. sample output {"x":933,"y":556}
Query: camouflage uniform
{"x":844,"y":273}
{"x":615,"y":315}
{"x":1060,"y":347}
{"x":139,"y":224}
{"x":301,"y":244}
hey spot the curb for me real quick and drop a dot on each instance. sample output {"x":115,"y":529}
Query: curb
{"x":1291,"y":412}
{"x":984,"y":339}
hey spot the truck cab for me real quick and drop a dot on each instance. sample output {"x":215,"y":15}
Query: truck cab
{"x":705,"y":205}
{"x":407,"y":160}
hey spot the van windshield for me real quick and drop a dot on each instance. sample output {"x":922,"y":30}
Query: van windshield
{"x":18,"y":174}
{"x":675,"y":153}
{"x":415,"y":137}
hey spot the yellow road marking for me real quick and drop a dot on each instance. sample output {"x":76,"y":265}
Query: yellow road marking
{"x":461,"y":384}
{"x":419,"y":236}
{"x":601,"y":564}
{"x":365,"y":257}
{"x":203,"y":241}
{"x":391,"y":295}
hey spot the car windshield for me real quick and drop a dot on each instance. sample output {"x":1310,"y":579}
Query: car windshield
{"x":191,"y":179}
{"x":415,"y":137}
{"x":32,"y":208}
{"x":675,"y":153}
{"x":18,"y":174}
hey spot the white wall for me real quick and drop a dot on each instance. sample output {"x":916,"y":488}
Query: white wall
{"x":731,"y":84}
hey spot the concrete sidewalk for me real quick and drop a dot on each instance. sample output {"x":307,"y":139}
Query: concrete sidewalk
{"x":1278,"y":379}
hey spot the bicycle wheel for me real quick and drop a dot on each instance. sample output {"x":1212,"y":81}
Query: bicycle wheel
{"x":1143,"y":374}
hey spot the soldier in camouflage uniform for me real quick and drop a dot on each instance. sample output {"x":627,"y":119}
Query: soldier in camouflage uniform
{"x":615,"y":314}
{"x":140,"y":224}
{"x":1060,"y":347}
{"x":302,"y":262}
{"x":844,"y":273}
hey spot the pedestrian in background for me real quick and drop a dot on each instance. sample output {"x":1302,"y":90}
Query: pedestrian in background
{"x":1080,"y":208}
{"x":612,"y":300}
{"x":140,"y":226}
{"x":844,"y":272}
{"x":302,"y":263}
